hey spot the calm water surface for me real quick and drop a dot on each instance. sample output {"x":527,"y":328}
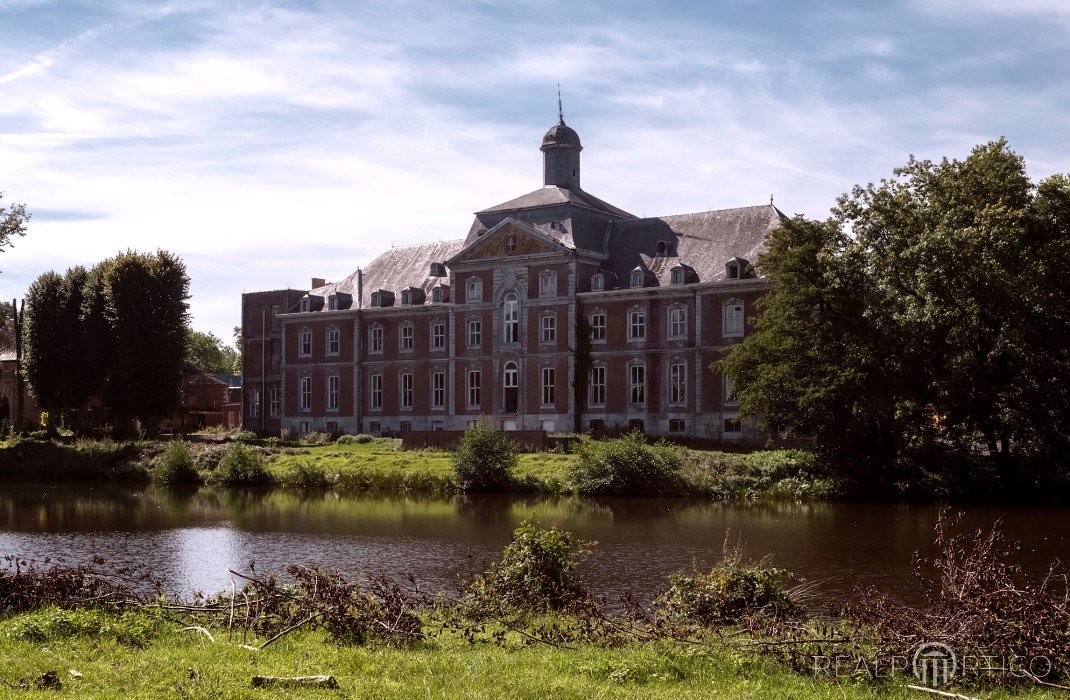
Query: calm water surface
{"x":193,"y":537}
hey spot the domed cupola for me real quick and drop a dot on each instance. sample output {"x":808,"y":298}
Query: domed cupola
{"x":561,"y":153}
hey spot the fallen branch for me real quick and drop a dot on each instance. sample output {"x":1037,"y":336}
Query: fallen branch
{"x":195,"y":628}
{"x":295,"y":682}
{"x":289,"y":629}
{"x":941,"y":693}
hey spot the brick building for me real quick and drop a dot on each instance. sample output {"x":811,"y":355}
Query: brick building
{"x":558,"y":311}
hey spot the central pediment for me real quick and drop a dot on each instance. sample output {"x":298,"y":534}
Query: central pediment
{"x":509,"y":239}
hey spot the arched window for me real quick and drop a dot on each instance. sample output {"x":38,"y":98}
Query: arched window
{"x":406,"y":298}
{"x":598,"y":283}
{"x":637,"y":278}
{"x":436,"y":295}
{"x":510,"y":387}
{"x":678,"y":275}
{"x":511,"y":319}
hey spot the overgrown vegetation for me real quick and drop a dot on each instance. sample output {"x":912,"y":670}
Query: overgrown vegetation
{"x":627,"y":466}
{"x":484,"y":459}
{"x":241,"y":466}
{"x":176,"y":466}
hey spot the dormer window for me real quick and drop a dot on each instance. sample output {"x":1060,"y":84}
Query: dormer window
{"x":436,"y":295}
{"x":406,"y":298}
{"x":661,"y":247}
{"x":438,"y":270}
{"x":637,"y":278}
{"x":332,"y":302}
{"x":598,"y":282}
{"x":678,"y":275}
{"x":305,"y":304}
{"x":732,"y":271}
{"x":377,"y":299}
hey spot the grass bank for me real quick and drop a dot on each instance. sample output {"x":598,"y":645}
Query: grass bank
{"x":185,"y":664}
{"x":381,"y":465}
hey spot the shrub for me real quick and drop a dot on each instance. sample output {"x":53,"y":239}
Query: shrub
{"x":484,"y":459}
{"x":176,"y":467}
{"x":730,"y":592}
{"x":317,"y":439}
{"x":537,"y":572}
{"x":626,"y":466}
{"x":246,"y":436}
{"x":305,"y":475}
{"x":241,"y":466}
{"x":359,"y":439}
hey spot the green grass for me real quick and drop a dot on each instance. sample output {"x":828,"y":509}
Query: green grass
{"x":185,"y":664}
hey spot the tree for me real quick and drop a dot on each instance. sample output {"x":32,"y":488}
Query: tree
{"x":12,"y":223}
{"x":939,"y":321}
{"x":207,"y":353}
{"x":148,"y":315}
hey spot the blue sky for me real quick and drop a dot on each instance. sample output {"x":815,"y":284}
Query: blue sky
{"x":268,"y":143}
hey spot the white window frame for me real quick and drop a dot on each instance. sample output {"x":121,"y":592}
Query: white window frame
{"x":405,"y":391}
{"x":597,"y":321}
{"x":375,"y":340}
{"x":636,"y":325}
{"x":678,"y":323}
{"x":305,"y":393}
{"x":733,"y":318}
{"x":475,"y":333}
{"x":334,"y":392}
{"x":438,"y":336}
{"x":304,"y":343}
{"x":436,"y":295}
{"x":598,"y":282}
{"x":375,"y":390}
{"x":548,"y":284}
{"x":596,"y":386}
{"x":406,"y":298}
{"x":635,"y":280}
{"x":274,"y":402}
{"x":730,"y":398}
{"x":637,"y":384}
{"x":548,"y":328}
{"x":473,"y":396}
{"x":406,"y":337}
{"x":511,"y":319}
{"x":678,"y":383}
{"x":438,"y":389}
{"x":549,"y":376}
{"x":334,"y":341}
{"x":473,"y":290}
{"x":677,"y":275}
{"x":254,"y":402}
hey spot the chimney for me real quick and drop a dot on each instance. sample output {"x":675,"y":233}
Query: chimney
{"x":318,"y":282}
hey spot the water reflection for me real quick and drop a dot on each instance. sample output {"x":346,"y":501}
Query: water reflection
{"x":193,"y":536}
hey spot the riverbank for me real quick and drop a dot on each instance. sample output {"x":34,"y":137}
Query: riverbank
{"x":381,"y":465}
{"x":185,"y":664}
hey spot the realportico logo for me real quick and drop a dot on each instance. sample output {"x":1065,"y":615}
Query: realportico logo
{"x":935,"y":664}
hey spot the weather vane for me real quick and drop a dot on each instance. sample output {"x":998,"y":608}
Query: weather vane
{"x":560,"y":109}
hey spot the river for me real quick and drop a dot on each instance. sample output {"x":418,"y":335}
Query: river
{"x":192,"y":537}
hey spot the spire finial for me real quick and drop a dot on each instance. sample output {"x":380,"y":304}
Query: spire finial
{"x":770,"y":200}
{"x":560,"y":109}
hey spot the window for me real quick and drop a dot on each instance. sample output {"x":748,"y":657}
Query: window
{"x":302,"y":427}
{"x":334,"y":341}
{"x":677,"y":425}
{"x":438,"y":390}
{"x":548,"y":386}
{"x":731,"y":271}
{"x":332,"y":303}
{"x":438,"y":336}
{"x":511,"y":319}
{"x":332,"y":427}
{"x":405,"y":339}
{"x":473,"y":388}
{"x":678,"y":383}
{"x":436,"y":295}
{"x":548,"y":332}
{"x":377,"y":299}
{"x":406,"y":426}
{"x":306,"y":394}
{"x":678,"y":275}
{"x":596,"y":426}
{"x":733,"y":428}
{"x":334,"y":383}
{"x":637,"y":278}
{"x":474,"y":290}
{"x":275,"y":402}
{"x":596,"y":388}
{"x":510,"y":387}
{"x":510,"y":243}
{"x":375,"y":426}
{"x":733,"y":318}
{"x":637,"y":384}
{"x":475,"y":333}
{"x":377,"y":392}
{"x":730,"y":397}
{"x":548,"y":284}
{"x":437,"y":425}
{"x":637,"y":324}
{"x":406,"y":298}
{"x":678,"y":322}
{"x":305,"y":304}
{"x":254,"y":403}
{"x":598,"y":283}
{"x":375,"y":339}
{"x":598,"y":327}
{"x":406,"y":389}
{"x":274,"y":317}
{"x":304,"y":343}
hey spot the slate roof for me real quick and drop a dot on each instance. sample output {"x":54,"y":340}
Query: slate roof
{"x":551,"y":195}
{"x":704,"y":242}
{"x":396,"y":269}
{"x":560,"y":134}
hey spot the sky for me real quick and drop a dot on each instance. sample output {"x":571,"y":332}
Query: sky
{"x":268,"y":143}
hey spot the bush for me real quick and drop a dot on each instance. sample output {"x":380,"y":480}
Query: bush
{"x":484,"y":459}
{"x":246,"y":436}
{"x":730,"y":592}
{"x":176,"y":467}
{"x":317,"y":439}
{"x":305,"y":475}
{"x":359,"y":439}
{"x":537,"y":572}
{"x":626,"y":466}
{"x":241,"y":466}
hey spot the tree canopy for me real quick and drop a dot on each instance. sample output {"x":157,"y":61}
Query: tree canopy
{"x":927,"y":314}
{"x":208,"y":353}
{"x":12,"y":223}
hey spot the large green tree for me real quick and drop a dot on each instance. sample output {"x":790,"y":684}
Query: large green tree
{"x":928,"y":312}
{"x":12,"y":223}
{"x":208,"y":353}
{"x":45,"y":341}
